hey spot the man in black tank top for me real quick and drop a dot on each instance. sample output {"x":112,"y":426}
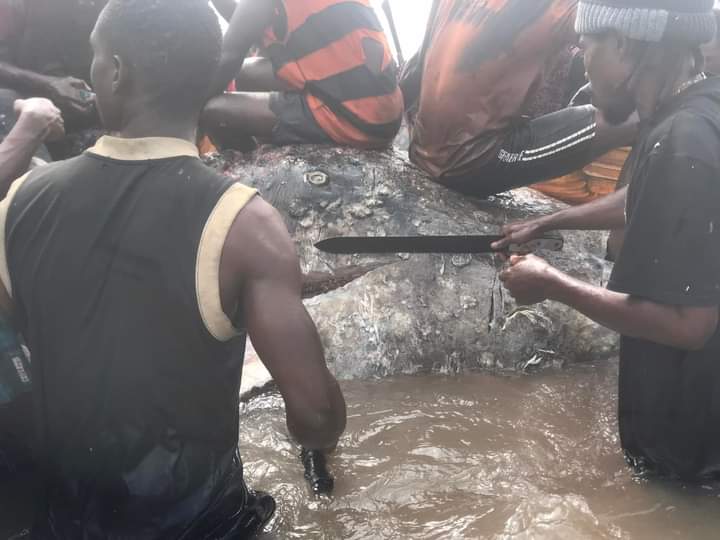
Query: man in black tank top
{"x":134,"y":272}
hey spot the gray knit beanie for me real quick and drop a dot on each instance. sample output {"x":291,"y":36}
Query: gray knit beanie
{"x":690,"y":21}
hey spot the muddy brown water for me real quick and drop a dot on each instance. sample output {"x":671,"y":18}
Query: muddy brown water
{"x":473,"y":456}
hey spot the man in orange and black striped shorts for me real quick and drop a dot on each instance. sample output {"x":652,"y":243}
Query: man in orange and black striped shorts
{"x":326,"y":74}
{"x":473,"y":86}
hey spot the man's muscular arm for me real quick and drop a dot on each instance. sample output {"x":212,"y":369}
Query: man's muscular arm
{"x":249,"y":21}
{"x":531,"y":280}
{"x":260,"y":263}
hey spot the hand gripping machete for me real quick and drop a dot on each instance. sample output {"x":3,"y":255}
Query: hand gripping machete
{"x":351,"y":245}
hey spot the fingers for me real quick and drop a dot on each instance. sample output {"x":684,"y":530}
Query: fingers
{"x":502,"y":243}
{"x":507,"y":231}
{"x":79,"y":84}
{"x":502,"y":256}
{"x":18,"y":105}
{"x":57,"y":130}
{"x":81,"y":108}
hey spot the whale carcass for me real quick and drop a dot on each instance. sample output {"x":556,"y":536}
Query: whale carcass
{"x":390,"y":314}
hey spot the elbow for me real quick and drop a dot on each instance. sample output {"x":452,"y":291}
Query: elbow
{"x":696,"y":340}
{"x":696,"y":335}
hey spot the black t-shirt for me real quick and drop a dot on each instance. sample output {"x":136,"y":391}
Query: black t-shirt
{"x":669,"y":404}
{"x":111,"y":259}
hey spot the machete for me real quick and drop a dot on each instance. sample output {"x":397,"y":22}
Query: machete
{"x":349,"y":245}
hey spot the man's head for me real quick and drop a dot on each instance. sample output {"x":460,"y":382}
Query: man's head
{"x":624,"y":40}
{"x":158,"y":55}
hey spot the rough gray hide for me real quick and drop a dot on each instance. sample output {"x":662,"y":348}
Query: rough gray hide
{"x":424,"y":312}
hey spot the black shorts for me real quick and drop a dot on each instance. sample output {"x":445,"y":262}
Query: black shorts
{"x":532,"y":151}
{"x":295,"y":121}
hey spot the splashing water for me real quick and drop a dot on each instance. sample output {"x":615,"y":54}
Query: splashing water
{"x":475,"y":456}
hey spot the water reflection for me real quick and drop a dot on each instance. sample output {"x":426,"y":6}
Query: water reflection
{"x":470,"y":457}
{"x":476,"y":456}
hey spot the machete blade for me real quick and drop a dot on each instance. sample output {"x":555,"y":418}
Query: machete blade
{"x":351,"y":245}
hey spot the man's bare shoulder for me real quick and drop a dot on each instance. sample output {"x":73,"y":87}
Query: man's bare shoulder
{"x":259,"y":242}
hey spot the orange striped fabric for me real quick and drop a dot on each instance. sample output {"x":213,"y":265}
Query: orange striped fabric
{"x":337,"y":54}
{"x":484,"y":60}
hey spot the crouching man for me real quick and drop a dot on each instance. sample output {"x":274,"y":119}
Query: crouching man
{"x":664,"y":293}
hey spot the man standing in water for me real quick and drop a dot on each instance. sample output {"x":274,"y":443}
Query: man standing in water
{"x":664,"y":293}
{"x":133,"y":272}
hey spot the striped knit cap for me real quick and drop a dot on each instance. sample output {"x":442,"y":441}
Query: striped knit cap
{"x":690,"y":21}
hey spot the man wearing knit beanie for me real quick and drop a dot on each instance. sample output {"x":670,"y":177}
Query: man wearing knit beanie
{"x":664,"y":292}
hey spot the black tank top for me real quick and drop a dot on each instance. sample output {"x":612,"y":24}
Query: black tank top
{"x":112,"y":261}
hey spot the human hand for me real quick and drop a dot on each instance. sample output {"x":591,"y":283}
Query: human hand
{"x":71,"y":94}
{"x":40,"y":116}
{"x":521,"y":232}
{"x":529,"y":279}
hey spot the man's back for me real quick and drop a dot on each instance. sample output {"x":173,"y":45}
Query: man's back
{"x":113,"y":261}
{"x":338,"y":54}
{"x":484,"y":61}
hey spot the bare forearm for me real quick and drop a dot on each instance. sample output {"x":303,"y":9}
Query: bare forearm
{"x":23,"y":80}
{"x":249,"y":20}
{"x":230,"y":67}
{"x":16,"y":152}
{"x":318,"y":421}
{"x":602,"y":214}
{"x":320,"y":431}
{"x":289,"y":346}
{"x":667,"y":325}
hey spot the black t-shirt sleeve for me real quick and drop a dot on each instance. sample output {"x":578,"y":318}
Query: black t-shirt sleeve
{"x":671,"y":253}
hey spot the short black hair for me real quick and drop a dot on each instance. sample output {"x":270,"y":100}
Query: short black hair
{"x":172,"y":46}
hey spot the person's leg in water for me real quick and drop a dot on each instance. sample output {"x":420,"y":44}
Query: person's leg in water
{"x":544,"y":148}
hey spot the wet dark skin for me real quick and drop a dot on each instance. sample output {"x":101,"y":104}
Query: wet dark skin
{"x":248,"y":110}
{"x":260,"y":274}
{"x":69,"y":93}
{"x":530,"y":279}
